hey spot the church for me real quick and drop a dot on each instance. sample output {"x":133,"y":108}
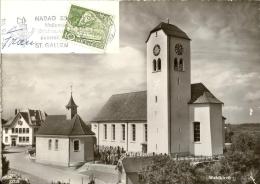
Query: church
{"x":172,"y":116}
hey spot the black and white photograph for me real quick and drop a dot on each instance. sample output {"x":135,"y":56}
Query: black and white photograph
{"x":178,"y":103}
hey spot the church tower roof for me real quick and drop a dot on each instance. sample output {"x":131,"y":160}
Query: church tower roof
{"x":71,"y":103}
{"x":170,"y":30}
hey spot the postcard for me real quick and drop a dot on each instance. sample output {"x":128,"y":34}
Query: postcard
{"x":177,"y":103}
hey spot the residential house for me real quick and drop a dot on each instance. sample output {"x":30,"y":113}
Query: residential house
{"x":21,"y":129}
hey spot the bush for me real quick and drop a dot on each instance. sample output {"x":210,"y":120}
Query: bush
{"x":5,"y":165}
{"x":165,"y":170}
{"x":243,"y":142}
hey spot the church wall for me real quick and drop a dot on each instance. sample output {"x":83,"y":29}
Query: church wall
{"x":95,"y":129}
{"x":179,"y":97}
{"x":53,"y":156}
{"x":201,"y":113}
{"x":216,"y":128}
{"x":157,"y":85}
{"x":127,"y":144}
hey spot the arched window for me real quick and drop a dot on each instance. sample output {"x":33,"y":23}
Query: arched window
{"x":176,"y":67}
{"x":154,"y":65}
{"x":159,"y":64}
{"x":181,"y":66}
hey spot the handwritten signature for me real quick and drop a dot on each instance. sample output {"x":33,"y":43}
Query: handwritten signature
{"x":14,"y":36}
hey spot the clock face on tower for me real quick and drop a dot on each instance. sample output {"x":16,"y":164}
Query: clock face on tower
{"x":178,"y":49}
{"x":156,"y":50}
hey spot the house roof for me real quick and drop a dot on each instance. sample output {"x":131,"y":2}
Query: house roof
{"x":133,"y":165}
{"x":31,"y":117}
{"x":71,"y":103}
{"x":133,"y":106}
{"x":201,"y":95}
{"x":169,"y":29}
{"x":123,"y":107}
{"x":59,"y":125}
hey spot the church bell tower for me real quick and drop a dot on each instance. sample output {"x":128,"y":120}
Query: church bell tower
{"x":71,"y":107}
{"x":168,"y":89}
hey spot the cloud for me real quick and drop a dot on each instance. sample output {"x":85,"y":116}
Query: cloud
{"x":253,"y":96}
{"x":233,"y":108}
{"x":43,"y":81}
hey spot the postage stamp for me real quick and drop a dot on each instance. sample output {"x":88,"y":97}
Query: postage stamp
{"x":88,"y":27}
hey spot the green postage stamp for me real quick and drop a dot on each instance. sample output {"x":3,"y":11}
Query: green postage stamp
{"x":88,"y":27}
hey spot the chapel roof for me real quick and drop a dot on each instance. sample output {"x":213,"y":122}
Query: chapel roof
{"x":59,"y":125}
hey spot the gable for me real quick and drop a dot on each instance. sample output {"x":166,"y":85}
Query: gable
{"x":20,"y":119}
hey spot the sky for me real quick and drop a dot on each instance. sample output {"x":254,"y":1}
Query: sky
{"x":224,"y":56}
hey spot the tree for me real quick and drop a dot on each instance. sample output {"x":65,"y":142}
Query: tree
{"x":240,"y":162}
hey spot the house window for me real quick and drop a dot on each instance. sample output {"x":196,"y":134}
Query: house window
{"x":49,"y":144}
{"x":181,"y":65}
{"x":159,"y":64}
{"x":133,"y":132}
{"x":156,"y":99}
{"x":176,"y":67}
{"x":76,"y":145}
{"x":27,"y":139}
{"x":113,"y":132}
{"x":27,"y":130}
{"x":105,"y":131}
{"x":23,"y":139}
{"x":12,"y":130}
{"x":123,"y":132}
{"x":24,"y":130}
{"x":6,"y":139}
{"x":56,"y":144}
{"x":196,"y":131}
{"x":16,"y":130}
{"x":154,"y":65}
{"x":6,"y":130}
{"x":145,"y":132}
{"x":20,"y":130}
{"x":20,"y":139}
